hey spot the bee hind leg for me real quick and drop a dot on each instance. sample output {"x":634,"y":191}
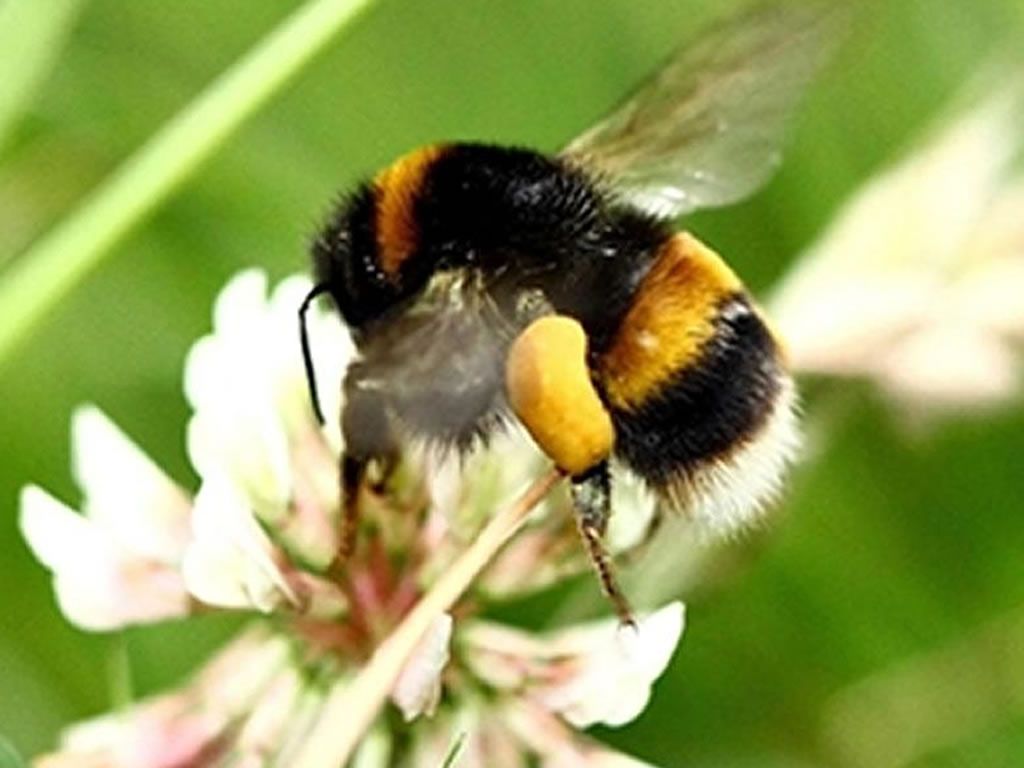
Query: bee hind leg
{"x":591,"y":499}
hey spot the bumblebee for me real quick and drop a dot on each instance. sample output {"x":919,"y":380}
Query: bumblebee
{"x":485,"y":284}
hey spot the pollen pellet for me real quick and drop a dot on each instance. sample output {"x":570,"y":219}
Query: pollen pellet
{"x":550,"y":390}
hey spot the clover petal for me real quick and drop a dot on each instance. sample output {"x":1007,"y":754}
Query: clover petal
{"x":230,"y":561}
{"x":99,"y":584}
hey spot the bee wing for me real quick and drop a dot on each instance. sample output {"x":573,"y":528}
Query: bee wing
{"x":706,"y":130}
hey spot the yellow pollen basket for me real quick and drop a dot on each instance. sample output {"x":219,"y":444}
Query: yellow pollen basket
{"x":550,"y":391}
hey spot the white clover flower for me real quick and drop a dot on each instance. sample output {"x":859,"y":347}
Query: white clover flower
{"x":259,"y":537}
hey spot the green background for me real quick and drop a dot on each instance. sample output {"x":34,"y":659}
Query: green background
{"x":899,"y":550}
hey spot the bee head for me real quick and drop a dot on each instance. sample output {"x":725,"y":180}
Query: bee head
{"x":346,"y":263}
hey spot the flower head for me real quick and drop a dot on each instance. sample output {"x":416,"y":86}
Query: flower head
{"x":258,"y":536}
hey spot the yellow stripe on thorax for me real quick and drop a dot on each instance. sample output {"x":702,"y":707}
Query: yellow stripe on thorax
{"x":397,"y":187}
{"x":669,"y":321}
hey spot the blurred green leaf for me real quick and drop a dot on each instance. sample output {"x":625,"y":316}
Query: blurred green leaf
{"x":32,"y":34}
{"x":9,"y":757}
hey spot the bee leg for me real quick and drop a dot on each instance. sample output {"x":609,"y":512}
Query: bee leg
{"x":591,"y":499}
{"x":353,"y":471}
{"x":369,"y":437}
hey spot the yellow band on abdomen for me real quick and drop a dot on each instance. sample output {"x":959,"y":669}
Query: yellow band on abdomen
{"x":671,"y":318}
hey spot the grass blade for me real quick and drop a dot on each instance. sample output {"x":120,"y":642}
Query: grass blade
{"x":51,"y":267}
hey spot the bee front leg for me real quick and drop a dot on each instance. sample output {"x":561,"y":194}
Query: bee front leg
{"x":369,"y":437}
{"x":352,"y":473}
{"x":591,"y":499}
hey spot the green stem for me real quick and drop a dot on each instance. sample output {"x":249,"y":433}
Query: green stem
{"x":51,"y":267}
{"x":119,"y":673}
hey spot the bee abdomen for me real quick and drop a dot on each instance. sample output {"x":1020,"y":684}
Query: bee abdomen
{"x":696,"y":386}
{"x":712,"y":403}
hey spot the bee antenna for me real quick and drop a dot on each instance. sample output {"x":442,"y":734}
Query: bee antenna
{"x":307,"y":355}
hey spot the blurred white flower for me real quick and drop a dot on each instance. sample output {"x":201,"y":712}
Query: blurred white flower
{"x":191,"y":726}
{"x":916,"y":284}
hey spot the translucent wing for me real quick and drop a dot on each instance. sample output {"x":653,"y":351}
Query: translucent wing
{"x":706,"y":129}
